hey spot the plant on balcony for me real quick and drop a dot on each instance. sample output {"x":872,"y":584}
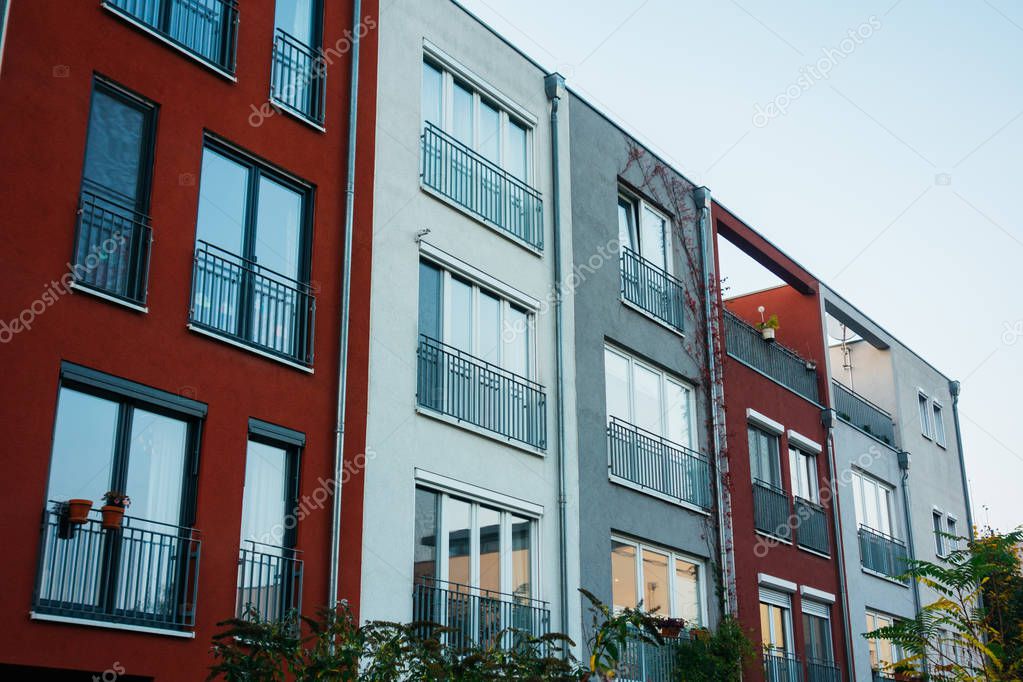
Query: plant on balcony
{"x":78,"y":510}
{"x":612,"y":632}
{"x":113,"y":510}
{"x":768,"y":327}
{"x":713,"y":656}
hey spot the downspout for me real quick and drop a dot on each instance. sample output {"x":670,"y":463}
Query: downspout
{"x":954,"y":388}
{"x":904,"y":459}
{"x":554,"y":86}
{"x":836,"y":519}
{"x":701,"y":196}
{"x":346,"y":295}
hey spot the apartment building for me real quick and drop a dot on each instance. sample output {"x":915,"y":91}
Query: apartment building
{"x":172,"y":262}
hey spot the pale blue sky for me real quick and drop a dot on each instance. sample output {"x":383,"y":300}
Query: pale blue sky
{"x":896,"y":179}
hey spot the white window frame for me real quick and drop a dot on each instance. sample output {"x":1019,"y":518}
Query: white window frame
{"x":783,"y":601}
{"x":861,"y":481}
{"x":888,"y":620}
{"x":637,"y":205}
{"x":938,"y":423}
{"x":923,"y":403}
{"x":802,"y":479}
{"x":938,"y":519}
{"x":952,"y":528}
{"x":701,"y":574}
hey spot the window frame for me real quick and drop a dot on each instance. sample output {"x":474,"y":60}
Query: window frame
{"x":673,"y":556}
{"x":938,"y":423}
{"x":637,"y":204}
{"x":880,"y":620}
{"x":773,"y":599}
{"x":775,"y":456}
{"x":861,"y":481}
{"x":316,"y":27}
{"x":924,"y":412}
{"x":811,"y":480}
{"x":292,"y":443}
{"x":938,"y":525}
{"x":814,"y":609}
{"x":951,"y":527}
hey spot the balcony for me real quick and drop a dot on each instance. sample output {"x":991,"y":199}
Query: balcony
{"x":882,"y":676}
{"x":781,"y":666}
{"x":269,"y":582}
{"x":822,"y":671}
{"x":863,"y":414}
{"x":144,"y":574}
{"x":744,"y":343}
{"x":253,"y":306}
{"x":473,"y":391}
{"x":649,"y":662}
{"x":812,"y":532}
{"x":298,"y":80}
{"x":652,"y":289}
{"x":478,"y":617}
{"x":656,"y":464}
{"x":112,"y":244}
{"x":882,"y":553}
{"x":481,"y":187}
{"x":207,"y":29}
{"x":771,"y":511}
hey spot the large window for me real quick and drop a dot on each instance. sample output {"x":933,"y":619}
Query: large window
{"x":883,"y":653}
{"x":803,"y":469}
{"x":644,"y":396}
{"x":817,"y":632}
{"x":873,"y":501}
{"x":252,"y":255}
{"x":668,"y":584}
{"x":113,"y":236}
{"x":645,"y":230}
{"x":298,"y":70}
{"x":765,"y":464}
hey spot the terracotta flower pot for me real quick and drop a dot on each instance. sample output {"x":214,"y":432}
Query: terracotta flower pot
{"x":112,"y":516}
{"x":78,"y":511}
{"x":670,"y":631}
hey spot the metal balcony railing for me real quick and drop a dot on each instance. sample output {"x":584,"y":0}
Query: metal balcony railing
{"x":481,"y":187}
{"x":299,"y":77}
{"x":822,"y":671}
{"x":781,"y":666}
{"x":863,"y":414}
{"x":657,"y":464}
{"x":643,"y":661}
{"x":145,"y":573}
{"x":745,"y":343}
{"x":269,"y":582}
{"x":112,"y":245}
{"x":812,"y":531}
{"x":771,"y":511}
{"x":882,"y":553}
{"x":253,"y":305}
{"x":474,"y":391}
{"x":206,"y":28}
{"x":882,"y":676}
{"x":652,"y":289}
{"x":478,"y":617}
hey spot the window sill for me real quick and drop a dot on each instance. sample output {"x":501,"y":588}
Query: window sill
{"x":815,"y":552}
{"x":151,"y":32}
{"x":650,"y":316}
{"x":500,"y":231}
{"x":67,"y":620}
{"x":882,"y":576}
{"x":479,"y":431}
{"x":626,"y":483}
{"x":250,"y":349}
{"x":282,"y":108}
{"x":107,"y":297}
{"x":772,"y":536}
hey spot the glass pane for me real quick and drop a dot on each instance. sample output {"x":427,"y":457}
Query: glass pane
{"x":278,"y":228}
{"x":115,"y":147}
{"x":939,"y":426}
{"x":490,"y":132}
{"x":522,"y":557}
{"x":617,"y":386}
{"x":490,"y":329}
{"x":623,"y":575}
{"x":884,"y":510}
{"x":222,"y":198}
{"x":295,"y":17}
{"x":459,"y":314}
{"x":517,"y":162}
{"x":656,"y":598}
{"x":687,"y":591}
{"x":516,"y":342}
{"x":433,"y":86}
{"x":676,"y":409}
{"x":778,"y":618}
{"x":648,"y":399}
{"x":765,"y":625}
{"x":156,"y":466}
{"x":626,"y":229}
{"x":871,"y":501}
{"x":429,"y":301}
{"x":651,"y":240}
{"x":490,"y":549}
{"x":83,"y":448}
{"x":794,"y":473}
{"x":461,"y":115}
{"x":425,"y":553}
{"x":861,"y":512}
{"x":457,"y":520}
{"x":265,"y":496}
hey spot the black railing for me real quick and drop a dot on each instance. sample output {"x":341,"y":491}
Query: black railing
{"x":474,"y":391}
{"x":481,"y":187}
{"x":863,"y":414}
{"x":478,"y":617}
{"x":144,"y":573}
{"x":822,"y":671}
{"x":657,"y":464}
{"x":299,"y":77}
{"x":269,"y":582}
{"x":744,"y":342}
{"x":882,"y":553}
{"x":205,"y":28}
{"x":771,"y":511}
{"x":112,"y":245}
{"x":651,"y":288}
{"x":643,"y":661}
{"x":812,"y":532}
{"x":252,"y":305}
{"x":781,"y":666}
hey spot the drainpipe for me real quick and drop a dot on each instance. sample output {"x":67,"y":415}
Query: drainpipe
{"x":954,"y":388}
{"x":904,"y":460}
{"x":346,"y":296}
{"x":701,"y":196}
{"x":828,"y":417}
{"x":554,"y":87}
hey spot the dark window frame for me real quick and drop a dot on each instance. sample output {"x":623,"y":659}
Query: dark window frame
{"x":293,"y":444}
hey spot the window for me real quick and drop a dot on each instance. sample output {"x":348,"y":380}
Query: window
{"x":883,"y":653}
{"x":646,"y":397}
{"x":646,"y":231}
{"x":873,"y":501}
{"x":952,"y":543}
{"x":252,"y":256}
{"x":939,"y":424}
{"x":939,"y":540}
{"x":667,"y":583}
{"x":925,"y":415}
{"x":817,"y":631}
{"x":775,"y":623}
{"x":803,"y":468}
{"x":298,"y":70}
{"x":764,"y":459}
{"x":113,"y":235}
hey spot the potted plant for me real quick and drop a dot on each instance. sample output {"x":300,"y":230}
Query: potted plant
{"x":768,"y":328}
{"x":671,"y":628}
{"x":113,"y":510}
{"x":78,"y":511}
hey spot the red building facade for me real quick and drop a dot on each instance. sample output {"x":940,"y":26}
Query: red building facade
{"x":172,"y":265}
